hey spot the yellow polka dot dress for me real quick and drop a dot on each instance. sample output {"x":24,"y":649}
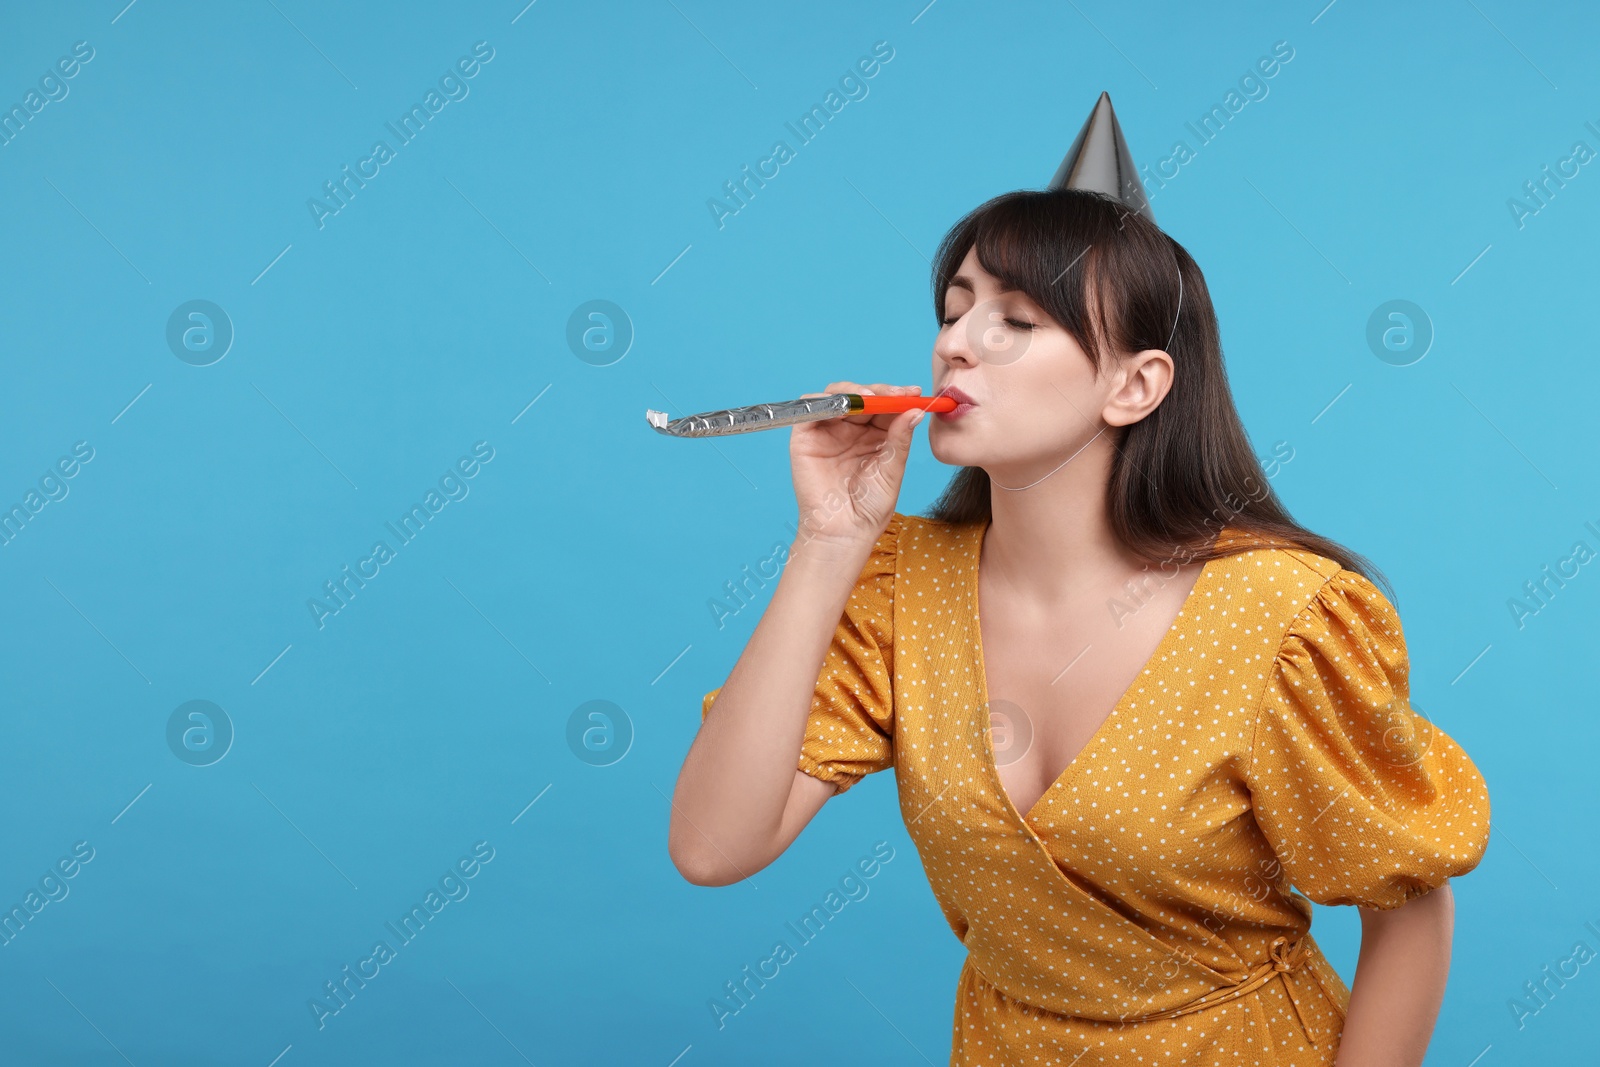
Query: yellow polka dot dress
{"x":1154,"y":906}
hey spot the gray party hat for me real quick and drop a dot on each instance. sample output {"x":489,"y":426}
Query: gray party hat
{"x":1099,"y":161}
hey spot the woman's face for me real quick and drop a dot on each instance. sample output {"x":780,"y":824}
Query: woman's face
{"x":1036,"y":396}
{"x":1034,"y":391}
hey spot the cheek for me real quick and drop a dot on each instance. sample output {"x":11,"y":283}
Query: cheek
{"x":1046,"y":404}
{"x":1045,"y":381}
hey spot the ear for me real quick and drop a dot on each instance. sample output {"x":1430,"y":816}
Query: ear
{"x":1140,"y":382}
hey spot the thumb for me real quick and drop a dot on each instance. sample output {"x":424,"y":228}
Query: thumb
{"x":905,"y":426}
{"x":896,"y":447}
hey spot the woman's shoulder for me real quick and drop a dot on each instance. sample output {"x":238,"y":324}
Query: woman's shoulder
{"x":918,"y":533}
{"x":1275,"y":588}
{"x":923,"y":523}
{"x":1320,"y":614}
{"x":1301,"y":595}
{"x":1249,"y":548}
{"x":1298,"y":575}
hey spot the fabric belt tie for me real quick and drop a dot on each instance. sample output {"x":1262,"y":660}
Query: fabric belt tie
{"x":1285,"y":955}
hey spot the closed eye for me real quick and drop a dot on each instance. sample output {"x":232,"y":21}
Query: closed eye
{"x":1016,"y":324}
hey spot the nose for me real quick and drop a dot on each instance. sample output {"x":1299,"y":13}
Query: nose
{"x":953,"y":346}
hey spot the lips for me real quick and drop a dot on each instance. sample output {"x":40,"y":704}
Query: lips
{"x":964,"y":403}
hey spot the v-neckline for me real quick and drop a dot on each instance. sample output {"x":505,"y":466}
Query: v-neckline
{"x":1163,"y":647}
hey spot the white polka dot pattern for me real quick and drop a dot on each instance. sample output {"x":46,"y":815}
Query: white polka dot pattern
{"x":1266,"y":754}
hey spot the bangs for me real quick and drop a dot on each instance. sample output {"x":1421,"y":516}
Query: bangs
{"x":1044,"y":247}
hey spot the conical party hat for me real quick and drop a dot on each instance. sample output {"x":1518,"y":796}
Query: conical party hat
{"x":1099,"y":161}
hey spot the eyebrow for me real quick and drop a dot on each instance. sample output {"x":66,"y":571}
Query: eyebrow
{"x":961,"y":281}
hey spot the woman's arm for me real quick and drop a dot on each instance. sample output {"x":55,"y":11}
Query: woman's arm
{"x":1399,"y":984}
{"x":740,"y":799}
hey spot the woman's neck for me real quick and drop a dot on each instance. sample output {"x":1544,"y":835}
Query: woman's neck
{"x":1055,"y":537}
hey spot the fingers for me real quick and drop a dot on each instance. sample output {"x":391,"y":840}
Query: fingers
{"x":843,"y":387}
{"x":899,"y":429}
{"x":905,"y":426}
{"x":885,"y":421}
{"x":882,"y":422}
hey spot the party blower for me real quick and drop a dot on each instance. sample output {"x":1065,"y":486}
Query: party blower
{"x":789,"y":412}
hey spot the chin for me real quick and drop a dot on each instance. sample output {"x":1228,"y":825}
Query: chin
{"x":955,"y":453}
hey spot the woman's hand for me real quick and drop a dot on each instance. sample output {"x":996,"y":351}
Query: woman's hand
{"x":847,"y":471}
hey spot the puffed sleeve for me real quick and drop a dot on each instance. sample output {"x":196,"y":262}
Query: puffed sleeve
{"x":1362,"y":798}
{"x":849,"y":732}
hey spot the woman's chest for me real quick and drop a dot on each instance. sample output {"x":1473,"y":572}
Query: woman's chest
{"x":1151,"y":806}
{"x":1118,"y":737}
{"x":1153,"y":797}
{"x":1055,"y":675}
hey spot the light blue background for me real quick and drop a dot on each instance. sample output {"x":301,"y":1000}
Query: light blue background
{"x":430,"y":312}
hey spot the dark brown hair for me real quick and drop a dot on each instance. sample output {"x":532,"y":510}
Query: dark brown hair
{"x":1109,"y":277}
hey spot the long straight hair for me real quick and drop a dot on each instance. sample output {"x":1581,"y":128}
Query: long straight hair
{"x":1110,"y":278}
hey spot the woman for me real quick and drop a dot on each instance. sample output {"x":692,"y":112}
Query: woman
{"x":1139,"y":718}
